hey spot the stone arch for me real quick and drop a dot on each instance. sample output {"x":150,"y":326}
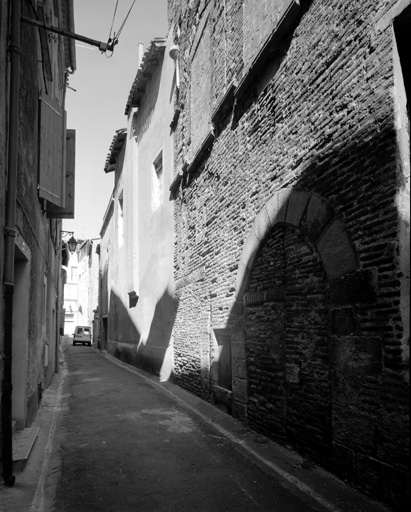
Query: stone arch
{"x":312,"y":215}
{"x":323,"y":228}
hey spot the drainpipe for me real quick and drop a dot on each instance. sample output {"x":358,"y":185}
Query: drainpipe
{"x":72,"y":42}
{"x":10,"y":235}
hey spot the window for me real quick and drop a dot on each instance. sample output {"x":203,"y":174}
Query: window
{"x":201,"y":76}
{"x":263,"y":49}
{"x":157,"y":183}
{"x":260,"y":18}
{"x":74,"y":274}
{"x":120,"y":219}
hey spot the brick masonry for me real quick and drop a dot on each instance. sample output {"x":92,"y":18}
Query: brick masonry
{"x":292,"y":215}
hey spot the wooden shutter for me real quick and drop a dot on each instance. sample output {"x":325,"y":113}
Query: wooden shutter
{"x":52,"y":151}
{"x":67,"y":212}
{"x":45,"y":51}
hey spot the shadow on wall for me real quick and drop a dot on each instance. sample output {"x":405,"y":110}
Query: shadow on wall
{"x":328,"y":327}
{"x":153,"y":355}
{"x":316,"y":355}
{"x":321,"y":327}
{"x":125,"y":342}
{"x":121,"y":326}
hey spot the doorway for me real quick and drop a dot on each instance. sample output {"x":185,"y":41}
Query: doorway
{"x":20,"y":336}
{"x":288,"y":348}
{"x":104,"y":336}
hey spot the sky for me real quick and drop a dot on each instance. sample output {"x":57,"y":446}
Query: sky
{"x":95,"y":108}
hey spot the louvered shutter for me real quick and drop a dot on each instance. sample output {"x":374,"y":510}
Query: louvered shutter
{"x":67,"y":212}
{"x":52,"y":151}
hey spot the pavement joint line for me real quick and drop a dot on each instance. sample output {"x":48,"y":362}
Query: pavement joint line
{"x":306,"y":489}
{"x":38,"y":502}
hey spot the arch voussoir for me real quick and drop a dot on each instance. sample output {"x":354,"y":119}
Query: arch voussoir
{"x":297,"y":203}
{"x":336,"y":251}
{"x":315,"y":217}
{"x":318,"y":215}
{"x":277,"y":206}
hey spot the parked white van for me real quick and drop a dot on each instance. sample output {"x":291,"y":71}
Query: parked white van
{"x":82,"y":334}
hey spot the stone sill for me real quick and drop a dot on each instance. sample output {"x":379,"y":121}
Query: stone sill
{"x":201,"y":153}
{"x":224,"y":103}
{"x":189,"y":168}
{"x":266,"y":52}
{"x":193,"y":277}
{"x":178,"y":177}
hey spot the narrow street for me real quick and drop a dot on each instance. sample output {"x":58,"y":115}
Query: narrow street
{"x":123,"y":445}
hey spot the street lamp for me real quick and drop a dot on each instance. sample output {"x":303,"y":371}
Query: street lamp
{"x":174,"y":54}
{"x":71,"y":242}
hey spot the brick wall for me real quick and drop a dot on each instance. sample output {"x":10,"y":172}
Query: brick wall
{"x":191,"y":328}
{"x":320,"y":119}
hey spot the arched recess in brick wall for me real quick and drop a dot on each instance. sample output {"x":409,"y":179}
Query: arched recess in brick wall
{"x":313,"y":216}
{"x":306,"y":224}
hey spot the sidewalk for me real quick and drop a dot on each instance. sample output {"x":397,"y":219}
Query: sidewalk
{"x":329,"y":492}
{"x":22,"y":495}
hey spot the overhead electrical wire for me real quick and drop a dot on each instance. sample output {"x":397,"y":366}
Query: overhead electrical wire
{"x":112,"y":23}
{"x":113,"y":41}
{"x":125,"y":19}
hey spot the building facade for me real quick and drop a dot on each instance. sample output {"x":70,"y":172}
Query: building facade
{"x":36,"y":178}
{"x":291,"y":209}
{"x":81,"y":287}
{"x":136,"y":304}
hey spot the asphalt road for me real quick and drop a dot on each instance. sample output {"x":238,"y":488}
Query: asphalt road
{"x":120,"y":444}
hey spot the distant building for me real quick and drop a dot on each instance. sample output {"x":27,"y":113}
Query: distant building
{"x":81,"y":287}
